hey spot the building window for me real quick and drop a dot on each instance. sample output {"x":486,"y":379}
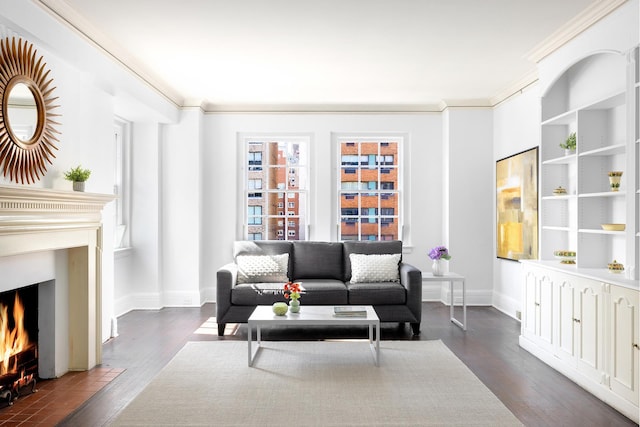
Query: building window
{"x":122,"y":184}
{"x":369,"y":188}
{"x":279,"y":168}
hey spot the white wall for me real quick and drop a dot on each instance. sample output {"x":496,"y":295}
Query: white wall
{"x":222,"y":185}
{"x":469,"y":199}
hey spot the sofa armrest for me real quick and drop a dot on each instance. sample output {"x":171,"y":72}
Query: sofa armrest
{"x":411,"y":279}
{"x":226,"y":277}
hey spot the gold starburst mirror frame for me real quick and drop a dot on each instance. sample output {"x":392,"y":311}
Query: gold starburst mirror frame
{"x":24,"y":154}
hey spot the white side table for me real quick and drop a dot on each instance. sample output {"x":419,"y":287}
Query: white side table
{"x":451,"y":278}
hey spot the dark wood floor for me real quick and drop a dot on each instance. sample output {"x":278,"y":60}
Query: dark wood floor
{"x":535,"y":393}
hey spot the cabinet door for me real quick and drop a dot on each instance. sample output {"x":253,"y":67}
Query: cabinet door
{"x":588,"y":328}
{"x":566,"y":322}
{"x":624,"y":343}
{"x":531,"y":306}
{"x":546,"y":313}
{"x":538,"y":314}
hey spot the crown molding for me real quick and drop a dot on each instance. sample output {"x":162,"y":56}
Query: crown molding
{"x":573,"y":28}
{"x":211,"y":108}
{"x":65,"y":14}
{"x":515,"y":88}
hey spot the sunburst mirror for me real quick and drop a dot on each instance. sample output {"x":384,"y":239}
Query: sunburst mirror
{"x":27,"y":128}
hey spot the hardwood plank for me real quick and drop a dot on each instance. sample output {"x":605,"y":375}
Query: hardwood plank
{"x":534,"y":392}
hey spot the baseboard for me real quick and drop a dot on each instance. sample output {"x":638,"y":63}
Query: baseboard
{"x":507,"y":305}
{"x":139,"y":301}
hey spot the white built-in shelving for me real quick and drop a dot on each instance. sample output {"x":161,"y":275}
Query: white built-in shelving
{"x":597,"y":100}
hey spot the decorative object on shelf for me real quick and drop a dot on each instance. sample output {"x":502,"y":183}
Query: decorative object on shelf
{"x":613,"y":227}
{"x":565,"y":257}
{"x":25,"y":148}
{"x":615,"y":267}
{"x":517,"y":206}
{"x":437,"y":254}
{"x":78,"y":176}
{"x":292,"y":292}
{"x":614,"y":180}
{"x":569,"y":145}
{"x":559,"y":191}
{"x":280,"y":308}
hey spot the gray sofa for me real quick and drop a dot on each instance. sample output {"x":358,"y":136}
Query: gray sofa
{"x":330,"y":273}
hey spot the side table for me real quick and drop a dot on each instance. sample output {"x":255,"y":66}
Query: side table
{"x":451,"y":278}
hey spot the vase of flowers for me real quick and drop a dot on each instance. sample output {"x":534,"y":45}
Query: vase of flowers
{"x":437,"y":254}
{"x":292,"y":292}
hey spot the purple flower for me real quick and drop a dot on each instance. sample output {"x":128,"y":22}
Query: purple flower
{"x":439,"y":252}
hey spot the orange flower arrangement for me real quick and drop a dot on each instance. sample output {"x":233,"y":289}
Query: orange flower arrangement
{"x":292,"y":290}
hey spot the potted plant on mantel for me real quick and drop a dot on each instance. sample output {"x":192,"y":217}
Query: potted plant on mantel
{"x":78,"y":176}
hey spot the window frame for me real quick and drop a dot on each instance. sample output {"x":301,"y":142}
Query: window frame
{"x":295,"y":174}
{"x":354,"y":190}
{"x":122,"y":183}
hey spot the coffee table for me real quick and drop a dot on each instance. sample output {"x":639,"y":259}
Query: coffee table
{"x":311,"y":315}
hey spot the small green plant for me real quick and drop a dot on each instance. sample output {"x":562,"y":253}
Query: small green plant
{"x":77,"y":174}
{"x":570,"y":143}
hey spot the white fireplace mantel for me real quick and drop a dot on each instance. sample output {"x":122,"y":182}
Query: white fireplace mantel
{"x":36,"y":220}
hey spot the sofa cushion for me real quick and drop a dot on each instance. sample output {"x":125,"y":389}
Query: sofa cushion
{"x":379,"y":293}
{"x":263,"y":268}
{"x":368,"y":247}
{"x":317,"y":260}
{"x":257,"y":294}
{"x":323,"y":292}
{"x":374,"y":268}
{"x":314,"y":292}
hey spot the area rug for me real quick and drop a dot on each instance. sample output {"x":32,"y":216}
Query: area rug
{"x":320,"y":383}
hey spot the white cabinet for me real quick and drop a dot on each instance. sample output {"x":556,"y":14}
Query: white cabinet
{"x":624,"y":343}
{"x":585,"y":328}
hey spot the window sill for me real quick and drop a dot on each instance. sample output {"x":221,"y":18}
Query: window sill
{"x":122,"y":252}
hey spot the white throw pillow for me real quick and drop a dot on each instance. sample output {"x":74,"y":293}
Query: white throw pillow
{"x":374,"y":268}
{"x":262,"y":268}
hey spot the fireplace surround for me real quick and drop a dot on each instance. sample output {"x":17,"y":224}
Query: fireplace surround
{"x":63,"y":231}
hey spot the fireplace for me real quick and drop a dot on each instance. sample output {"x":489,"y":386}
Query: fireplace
{"x":54,"y":238}
{"x":18,"y":342}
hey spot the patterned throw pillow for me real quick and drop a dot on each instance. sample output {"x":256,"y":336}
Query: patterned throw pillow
{"x":262,"y":268}
{"x":374,"y":268}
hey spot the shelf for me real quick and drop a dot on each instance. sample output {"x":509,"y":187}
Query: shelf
{"x":604,"y":194}
{"x":564,"y":160}
{"x":611,"y":150}
{"x":565,"y":118}
{"x":555,"y":228}
{"x":602,"y":104}
{"x":600,"y":231}
{"x":563,"y":197}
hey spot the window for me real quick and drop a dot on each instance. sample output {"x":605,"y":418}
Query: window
{"x":278,"y":168}
{"x":369,"y":188}
{"x":255,"y":215}
{"x":122,"y":187}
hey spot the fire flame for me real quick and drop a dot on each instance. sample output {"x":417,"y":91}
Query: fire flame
{"x":12,"y":341}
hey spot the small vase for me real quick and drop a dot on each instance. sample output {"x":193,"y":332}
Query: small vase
{"x":569,"y":151}
{"x":437,"y":267}
{"x":614,"y":181}
{"x":294,"y":306}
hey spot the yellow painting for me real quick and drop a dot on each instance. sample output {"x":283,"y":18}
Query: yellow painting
{"x":517,"y":206}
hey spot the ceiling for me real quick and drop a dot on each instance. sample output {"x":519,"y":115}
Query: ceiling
{"x":331,"y":55}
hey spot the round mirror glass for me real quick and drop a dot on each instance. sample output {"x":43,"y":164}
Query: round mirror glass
{"x":23,"y":113}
